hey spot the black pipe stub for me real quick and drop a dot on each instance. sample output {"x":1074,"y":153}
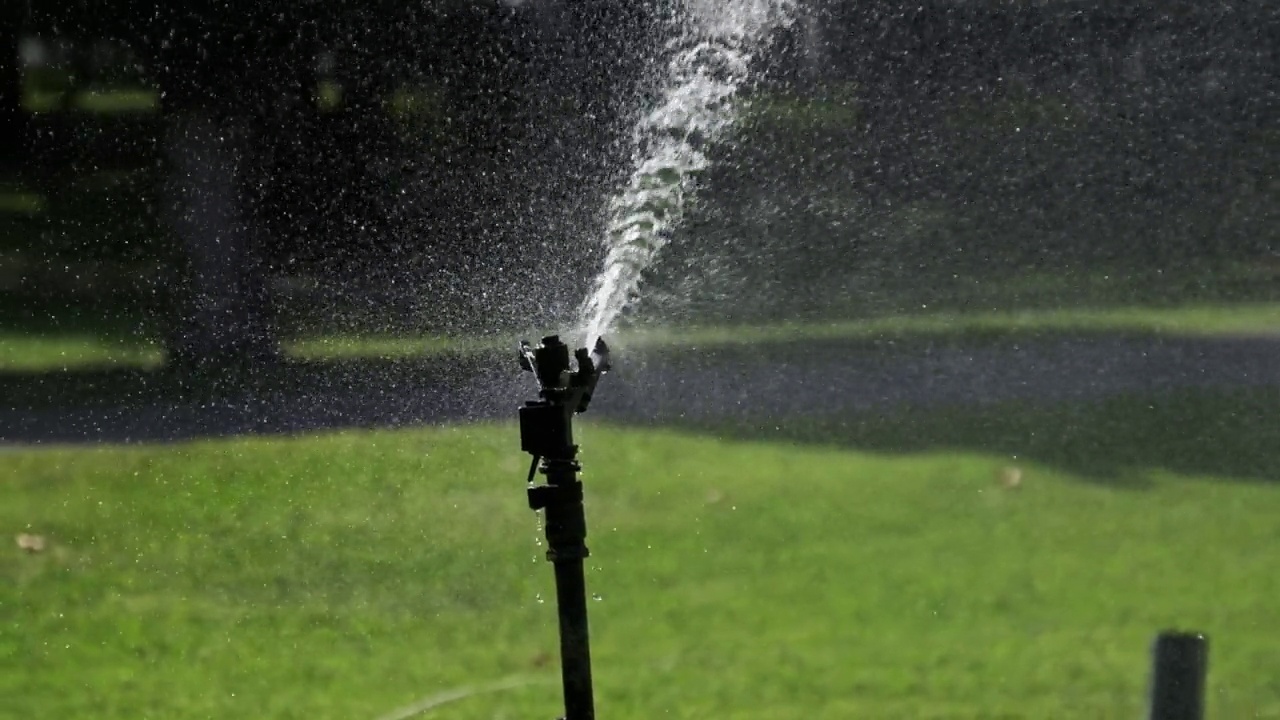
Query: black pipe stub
{"x":1179,"y":667}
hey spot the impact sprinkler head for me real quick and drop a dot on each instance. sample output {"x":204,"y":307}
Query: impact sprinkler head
{"x":559,"y":383}
{"x":546,"y":433}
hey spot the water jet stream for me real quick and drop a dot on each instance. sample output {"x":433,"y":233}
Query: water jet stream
{"x":710,"y":58}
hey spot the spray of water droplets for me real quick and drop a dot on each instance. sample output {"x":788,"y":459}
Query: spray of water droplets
{"x":710,"y":58}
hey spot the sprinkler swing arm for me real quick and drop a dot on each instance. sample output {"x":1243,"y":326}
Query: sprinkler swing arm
{"x":546,"y":433}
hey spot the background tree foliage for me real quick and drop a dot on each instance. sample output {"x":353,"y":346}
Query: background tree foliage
{"x":393,"y":150}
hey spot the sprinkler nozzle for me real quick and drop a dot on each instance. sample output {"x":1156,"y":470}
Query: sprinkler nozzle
{"x":559,"y":383}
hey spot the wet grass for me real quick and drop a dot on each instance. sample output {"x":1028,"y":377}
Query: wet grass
{"x":350,"y":574}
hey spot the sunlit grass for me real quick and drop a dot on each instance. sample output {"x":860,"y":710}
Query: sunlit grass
{"x":1204,"y":320}
{"x":21,"y":352}
{"x":338,"y":347}
{"x":113,"y":101}
{"x":1236,"y":319}
{"x":35,"y":352}
{"x":17,"y":202}
{"x":350,"y":574}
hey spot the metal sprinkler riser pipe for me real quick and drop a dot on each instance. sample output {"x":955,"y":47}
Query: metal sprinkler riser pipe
{"x":546,"y":433}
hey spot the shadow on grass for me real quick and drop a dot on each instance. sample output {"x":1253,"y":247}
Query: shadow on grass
{"x":167,"y":403}
{"x":1223,"y":433}
{"x":1103,"y":407}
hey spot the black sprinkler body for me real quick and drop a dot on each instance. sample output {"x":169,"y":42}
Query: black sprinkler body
{"x":546,"y":433}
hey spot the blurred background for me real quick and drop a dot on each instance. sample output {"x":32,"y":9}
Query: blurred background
{"x":210,"y":177}
{"x":209,"y":180}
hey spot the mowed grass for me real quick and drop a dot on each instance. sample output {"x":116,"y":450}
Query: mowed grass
{"x":350,"y":574}
{"x":33,"y":352}
{"x":22,"y":352}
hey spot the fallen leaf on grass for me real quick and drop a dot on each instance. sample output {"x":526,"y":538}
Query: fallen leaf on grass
{"x":31,"y":543}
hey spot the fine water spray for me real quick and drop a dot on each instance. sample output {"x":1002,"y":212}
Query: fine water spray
{"x":708,"y":60}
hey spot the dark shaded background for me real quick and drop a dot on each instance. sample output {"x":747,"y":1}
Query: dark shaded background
{"x":442,"y":166}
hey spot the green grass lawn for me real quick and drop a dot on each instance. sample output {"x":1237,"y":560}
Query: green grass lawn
{"x":1205,"y":320}
{"x":22,"y":352}
{"x":350,"y":574}
{"x":32,"y":351}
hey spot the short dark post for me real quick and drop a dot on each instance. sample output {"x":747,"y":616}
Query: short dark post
{"x":1180,"y":662}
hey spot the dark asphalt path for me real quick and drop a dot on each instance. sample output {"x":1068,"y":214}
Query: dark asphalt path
{"x":764,"y":382}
